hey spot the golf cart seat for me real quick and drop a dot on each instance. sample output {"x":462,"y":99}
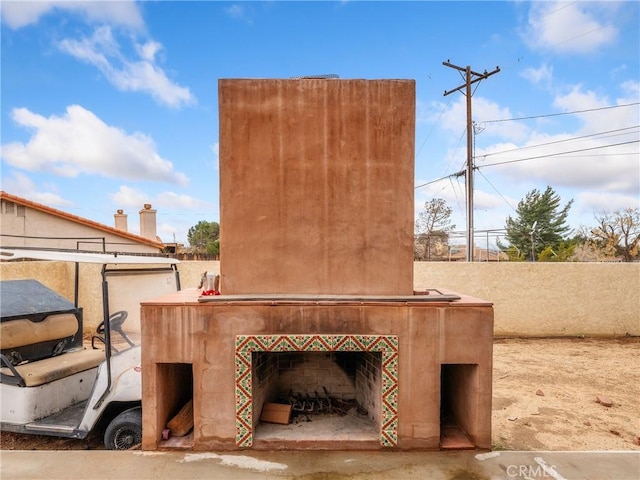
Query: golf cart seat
{"x":36,"y":322}
{"x":40,"y":372}
{"x":40,"y":335}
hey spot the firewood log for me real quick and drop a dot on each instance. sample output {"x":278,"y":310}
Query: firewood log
{"x":182,"y":423}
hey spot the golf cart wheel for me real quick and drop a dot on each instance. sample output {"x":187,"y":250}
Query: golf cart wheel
{"x":124,"y":431}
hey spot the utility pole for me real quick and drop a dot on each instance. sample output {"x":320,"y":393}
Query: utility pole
{"x":533,"y":241}
{"x":471,"y":77}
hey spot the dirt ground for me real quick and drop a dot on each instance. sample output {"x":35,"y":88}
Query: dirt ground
{"x":544,"y":398}
{"x":571,"y":373}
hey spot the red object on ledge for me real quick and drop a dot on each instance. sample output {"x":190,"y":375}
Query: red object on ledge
{"x":207,"y":293}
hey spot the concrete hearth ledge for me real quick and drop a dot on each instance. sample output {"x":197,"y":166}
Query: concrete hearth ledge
{"x":430,"y":296}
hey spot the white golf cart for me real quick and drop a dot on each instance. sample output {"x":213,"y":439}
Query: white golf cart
{"x":53,"y":380}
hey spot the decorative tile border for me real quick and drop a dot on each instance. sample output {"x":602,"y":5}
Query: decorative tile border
{"x":387,"y":345}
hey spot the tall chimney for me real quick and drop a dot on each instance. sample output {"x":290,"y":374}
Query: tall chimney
{"x":333,"y":210}
{"x":148,"y":222}
{"x":121,"y":220}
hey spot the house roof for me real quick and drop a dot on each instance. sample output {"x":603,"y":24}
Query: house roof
{"x":85,"y":257}
{"x":76,"y":219}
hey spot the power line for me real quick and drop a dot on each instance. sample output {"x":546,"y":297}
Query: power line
{"x":561,"y":141}
{"x":444,"y":108}
{"x":561,"y":114}
{"x":557,"y":154}
{"x":460,"y":173}
{"x":497,"y":191}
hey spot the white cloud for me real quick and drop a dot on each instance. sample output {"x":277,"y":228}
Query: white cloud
{"x":142,"y":74}
{"x":175,"y":200}
{"x":577,"y":27}
{"x":454,"y":119}
{"x":542,"y":75}
{"x":19,"y":14}
{"x":149,"y":50}
{"x":577,"y":99}
{"x":80,"y":143}
{"x":600,"y":152}
{"x":450,"y":191}
{"x":598,"y":202}
{"x":17,"y":183}
{"x":167,"y":232}
{"x":591,"y":169}
{"x":241,"y":11}
{"x":134,"y":198}
{"x":130,"y":197}
{"x":235,"y":11}
{"x":487,"y":201}
{"x":632,"y":89}
{"x":138,"y":75}
{"x":215,"y":148}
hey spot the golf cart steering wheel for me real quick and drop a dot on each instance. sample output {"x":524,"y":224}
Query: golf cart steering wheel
{"x":115,"y":323}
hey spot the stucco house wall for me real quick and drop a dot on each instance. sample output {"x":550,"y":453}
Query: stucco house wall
{"x":25,"y":223}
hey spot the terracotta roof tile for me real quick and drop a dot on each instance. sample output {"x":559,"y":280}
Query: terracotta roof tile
{"x":77,"y":219}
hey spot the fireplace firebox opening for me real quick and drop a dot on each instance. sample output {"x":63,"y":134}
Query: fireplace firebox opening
{"x":332,"y":395}
{"x":458,"y":404}
{"x":361,"y":369}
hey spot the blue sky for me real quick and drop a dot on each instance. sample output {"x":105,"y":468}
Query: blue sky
{"x":111,"y":105}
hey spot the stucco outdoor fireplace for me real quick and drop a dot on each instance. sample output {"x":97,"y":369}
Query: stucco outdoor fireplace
{"x":317,"y":309}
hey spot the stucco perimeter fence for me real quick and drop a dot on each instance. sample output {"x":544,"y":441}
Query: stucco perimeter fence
{"x":530,"y":299}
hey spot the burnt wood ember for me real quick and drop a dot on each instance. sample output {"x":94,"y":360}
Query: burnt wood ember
{"x":305,"y":405}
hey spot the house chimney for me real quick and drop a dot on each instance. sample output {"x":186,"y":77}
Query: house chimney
{"x":121,"y":220}
{"x":148,"y":222}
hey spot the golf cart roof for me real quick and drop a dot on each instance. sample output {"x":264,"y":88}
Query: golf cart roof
{"x":30,"y":299}
{"x":84,"y":257}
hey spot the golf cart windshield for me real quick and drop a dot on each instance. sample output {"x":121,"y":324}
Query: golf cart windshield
{"x":123,"y":281}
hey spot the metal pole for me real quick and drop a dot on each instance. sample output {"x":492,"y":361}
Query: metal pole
{"x":533,"y":246}
{"x":469,"y":171}
{"x":487,"y":245}
{"x":533,"y":241}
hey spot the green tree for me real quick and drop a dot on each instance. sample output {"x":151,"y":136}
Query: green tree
{"x":213,"y":248}
{"x":431,"y":229}
{"x":514,"y":254}
{"x":564,"y":253}
{"x":204,"y":237}
{"x":540,"y":223}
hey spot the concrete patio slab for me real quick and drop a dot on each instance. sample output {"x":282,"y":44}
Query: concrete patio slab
{"x":141,"y":465}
